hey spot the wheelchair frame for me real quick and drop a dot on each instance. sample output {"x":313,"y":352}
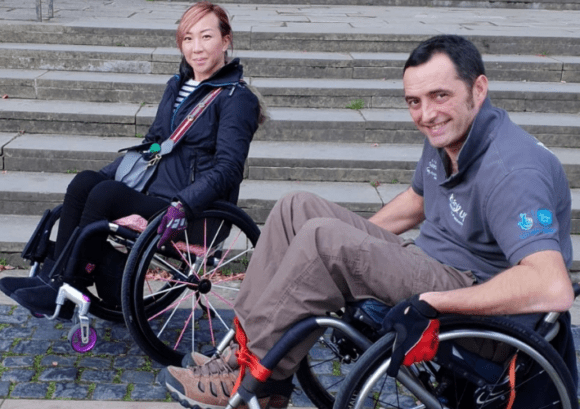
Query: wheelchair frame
{"x":547,"y":328}
{"x":82,"y":336}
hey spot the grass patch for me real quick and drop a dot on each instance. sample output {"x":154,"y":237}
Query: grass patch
{"x":50,"y":390}
{"x":336,"y":368}
{"x":127,"y":396}
{"x":356,"y":104}
{"x":37,"y":367}
{"x":117,"y":378}
{"x":147,"y":366}
{"x":91,"y":389}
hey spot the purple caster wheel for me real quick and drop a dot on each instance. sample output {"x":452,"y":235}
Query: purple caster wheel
{"x":75,"y":339}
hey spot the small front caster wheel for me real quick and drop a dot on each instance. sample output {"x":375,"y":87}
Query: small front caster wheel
{"x":76,"y":340}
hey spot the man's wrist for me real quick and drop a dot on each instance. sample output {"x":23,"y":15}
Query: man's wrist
{"x":430,"y":298}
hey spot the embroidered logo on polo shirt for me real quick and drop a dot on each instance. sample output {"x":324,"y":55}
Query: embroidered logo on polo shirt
{"x":526,"y":222}
{"x":544,"y":218}
{"x":432,"y":168}
{"x":456,"y":210}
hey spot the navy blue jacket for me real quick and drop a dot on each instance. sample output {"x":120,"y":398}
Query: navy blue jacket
{"x":208,"y":162}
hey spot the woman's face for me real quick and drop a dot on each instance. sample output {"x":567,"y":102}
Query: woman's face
{"x":204,"y":47}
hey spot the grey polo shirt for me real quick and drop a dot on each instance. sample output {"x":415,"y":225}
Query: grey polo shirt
{"x":509,"y":199}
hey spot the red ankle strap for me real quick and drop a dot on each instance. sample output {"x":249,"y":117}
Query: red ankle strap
{"x":246,"y":359}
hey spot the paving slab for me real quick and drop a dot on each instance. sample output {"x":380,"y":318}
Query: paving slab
{"x":122,"y":22}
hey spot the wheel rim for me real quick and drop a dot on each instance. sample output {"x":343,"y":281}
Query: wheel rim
{"x":380,"y":391}
{"x":184,"y":293}
{"x":77,"y":343}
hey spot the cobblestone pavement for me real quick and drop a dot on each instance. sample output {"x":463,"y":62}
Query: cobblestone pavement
{"x":38,"y":362}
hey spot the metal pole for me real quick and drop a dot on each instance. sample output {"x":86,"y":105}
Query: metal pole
{"x":38,"y":10}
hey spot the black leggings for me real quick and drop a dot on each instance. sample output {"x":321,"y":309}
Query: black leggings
{"x":91,"y":197}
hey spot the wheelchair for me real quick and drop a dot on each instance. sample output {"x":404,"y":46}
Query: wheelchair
{"x":161,"y":294}
{"x":482,"y":362}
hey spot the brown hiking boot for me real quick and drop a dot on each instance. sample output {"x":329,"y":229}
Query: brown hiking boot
{"x":210,"y":385}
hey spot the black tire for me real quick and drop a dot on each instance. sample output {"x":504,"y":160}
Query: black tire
{"x":452,"y":383}
{"x":157,"y":283}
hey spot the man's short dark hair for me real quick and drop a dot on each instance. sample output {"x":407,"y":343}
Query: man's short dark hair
{"x":464,"y":55}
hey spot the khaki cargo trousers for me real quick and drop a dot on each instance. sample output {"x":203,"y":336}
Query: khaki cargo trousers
{"x":314,"y":256}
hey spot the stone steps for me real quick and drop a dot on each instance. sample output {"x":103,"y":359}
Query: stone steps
{"x":268,"y":160}
{"x":285,"y":124}
{"x":514,"y":96}
{"x":17,"y":229}
{"x":93,"y":85}
{"x":30,"y":193}
{"x":275,"y":63}
{"x":272,"y":31}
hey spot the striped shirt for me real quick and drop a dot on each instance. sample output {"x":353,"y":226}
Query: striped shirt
{"x":187,"y":88}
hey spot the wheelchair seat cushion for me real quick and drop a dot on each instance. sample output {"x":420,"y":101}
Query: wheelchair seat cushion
{"x":133,"y":222}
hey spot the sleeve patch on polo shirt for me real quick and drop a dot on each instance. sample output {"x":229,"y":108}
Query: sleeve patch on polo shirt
{"x":534,"y":223}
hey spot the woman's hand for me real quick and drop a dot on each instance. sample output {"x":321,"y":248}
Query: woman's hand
{"x":172,"y":223}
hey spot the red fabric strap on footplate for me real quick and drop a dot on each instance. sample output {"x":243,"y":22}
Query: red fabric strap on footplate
{"x":246,"y":359}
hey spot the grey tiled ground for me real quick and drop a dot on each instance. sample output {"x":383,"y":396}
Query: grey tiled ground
{"x":37,"y":362}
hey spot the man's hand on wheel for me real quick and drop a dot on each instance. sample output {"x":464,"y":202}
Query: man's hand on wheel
{"x":417,"y":333}
{"x":172,"y":223}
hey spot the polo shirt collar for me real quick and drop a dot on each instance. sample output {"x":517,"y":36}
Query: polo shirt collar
{"x":475,"y":144}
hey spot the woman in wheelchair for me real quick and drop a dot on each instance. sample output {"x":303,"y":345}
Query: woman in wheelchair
{"x":208,"y":113}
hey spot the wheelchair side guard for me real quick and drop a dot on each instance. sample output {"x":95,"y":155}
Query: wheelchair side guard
{"x":36,"y":248}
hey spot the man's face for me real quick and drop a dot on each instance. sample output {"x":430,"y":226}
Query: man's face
{"x":441,"y":105}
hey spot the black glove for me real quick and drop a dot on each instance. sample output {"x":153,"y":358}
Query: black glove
{"x":417,"y":333}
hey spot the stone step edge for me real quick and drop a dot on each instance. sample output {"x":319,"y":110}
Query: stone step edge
{"x":12,"y":245}
{"x":361,"y":196}
{"x":262,"y":153}
{"x":356,"y":85}
{"x":169,"y":54}
{"x":139,"y":114}
{"x":268,"y":37}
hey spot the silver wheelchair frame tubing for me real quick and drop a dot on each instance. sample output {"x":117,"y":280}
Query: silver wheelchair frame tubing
{"x":431,"y":401}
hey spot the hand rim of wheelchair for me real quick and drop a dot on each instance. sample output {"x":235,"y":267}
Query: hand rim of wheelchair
{"x":374,"y":361}
{"x":137,"y":308}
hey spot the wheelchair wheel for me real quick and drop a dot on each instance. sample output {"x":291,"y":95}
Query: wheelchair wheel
{"x":179,"y":298}
{"x":322,"y":372}
{"x":482,"y":362}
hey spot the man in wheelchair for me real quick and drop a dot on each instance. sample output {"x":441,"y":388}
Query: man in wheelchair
{"x":494,"y":204}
